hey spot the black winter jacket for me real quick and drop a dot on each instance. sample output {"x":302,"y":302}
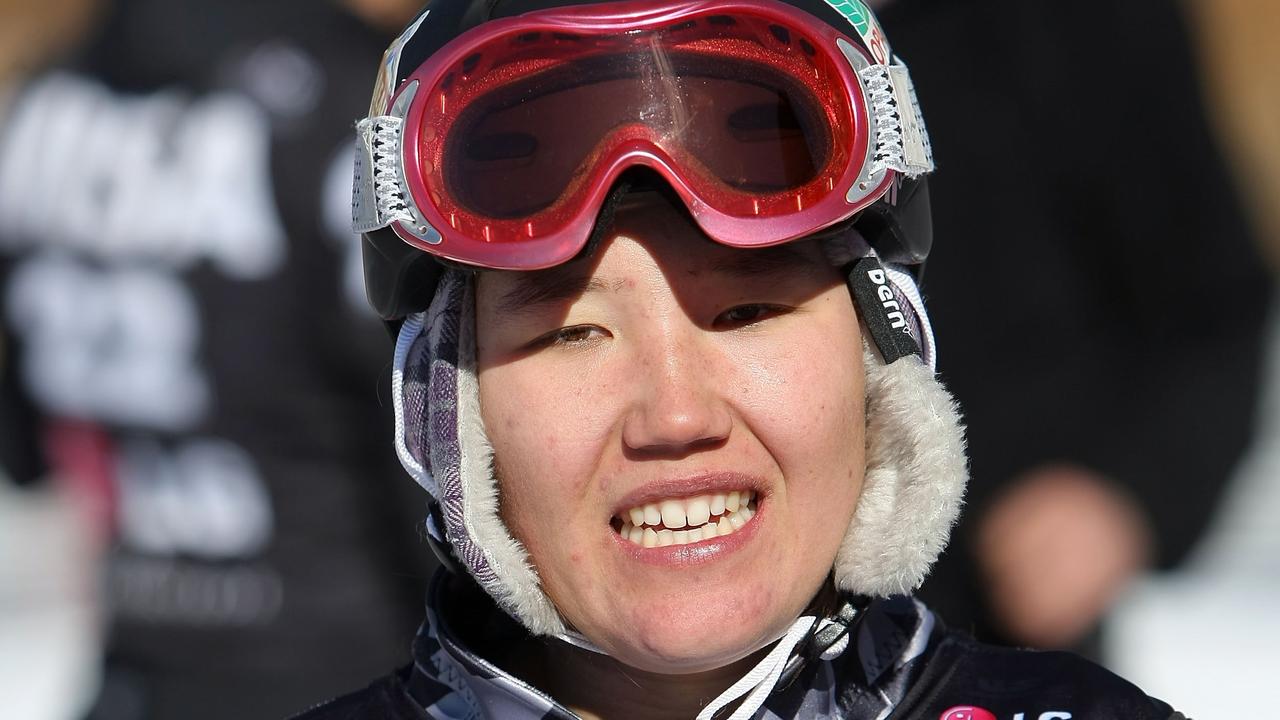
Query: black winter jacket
{"x":900,"y":663}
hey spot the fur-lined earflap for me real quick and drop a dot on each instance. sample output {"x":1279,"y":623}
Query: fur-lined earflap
{"x":442,"y":443}
{"x":914,"y":484}
{"x":512,"y":579}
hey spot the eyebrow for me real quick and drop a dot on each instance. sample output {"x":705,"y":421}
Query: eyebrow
{"x":763,"y":262}
{"x":550,"y":286}
{"x":533,"y":290}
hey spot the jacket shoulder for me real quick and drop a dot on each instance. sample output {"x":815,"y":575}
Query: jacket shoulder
{"x":1010,"y":683}
{"x":384,"y":699}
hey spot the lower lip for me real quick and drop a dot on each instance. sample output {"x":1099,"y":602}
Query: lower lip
{"x":698,"y":553}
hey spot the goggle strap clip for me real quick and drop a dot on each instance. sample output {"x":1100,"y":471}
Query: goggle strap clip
{"x":379,"y":191}
{"x":378,"y":197}
{"x":902,"y":143}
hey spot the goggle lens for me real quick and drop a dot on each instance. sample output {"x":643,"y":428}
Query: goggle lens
{"x":515,"y":151}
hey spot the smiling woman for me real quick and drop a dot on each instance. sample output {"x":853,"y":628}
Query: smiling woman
{"x":676,"y":386}
{"x":686,"y":452}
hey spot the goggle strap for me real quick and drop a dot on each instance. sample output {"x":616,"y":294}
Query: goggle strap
{"x":902,"y":144}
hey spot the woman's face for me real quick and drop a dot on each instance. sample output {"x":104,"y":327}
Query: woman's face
{"x":640,"y":393}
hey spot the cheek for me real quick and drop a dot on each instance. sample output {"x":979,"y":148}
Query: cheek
{"x":804,"y":395}
{"x":543,"y":459}
{"x":807,"y":409}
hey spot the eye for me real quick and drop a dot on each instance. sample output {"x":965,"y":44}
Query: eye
{"x":741,"y":315}
{"x":576,"y":335}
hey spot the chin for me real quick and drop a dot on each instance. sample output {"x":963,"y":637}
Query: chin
{"x":670,"y":655}
{"x":698,"y":634}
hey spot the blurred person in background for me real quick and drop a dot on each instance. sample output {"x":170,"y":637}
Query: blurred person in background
{"x":1100,"y":297}
{"x":50,"y":543}
{"x":1220,"y":599}
{"x":182,"y":291}
{"x":1240,"y":60}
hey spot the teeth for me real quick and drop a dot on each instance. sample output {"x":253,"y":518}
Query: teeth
{"x":652,"y":516}
{"x":673,"y":515}
{"x":698,"y":511}
{"x":679,"y":522}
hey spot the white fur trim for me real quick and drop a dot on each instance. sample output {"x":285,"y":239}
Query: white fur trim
{"x":517,"y":588}
{"x":914,"y":484}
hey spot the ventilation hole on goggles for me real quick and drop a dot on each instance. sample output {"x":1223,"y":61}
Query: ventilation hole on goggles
{"x":723,"y":20}
{"x":782,"y":34}
{"x":683,"y":26}
{"x":470,"y":62}
{"x":807,"y":48}
{"x":526,"y":38}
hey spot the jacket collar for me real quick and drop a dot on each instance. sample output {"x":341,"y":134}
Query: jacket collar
{"x":864,"y":676}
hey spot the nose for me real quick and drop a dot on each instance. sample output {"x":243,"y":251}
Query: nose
{"x":677,"y":407}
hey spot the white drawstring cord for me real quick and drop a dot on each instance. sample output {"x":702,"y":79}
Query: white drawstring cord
{"x":578,"y":640}
{"x":836,"y":650}
{"x":760,"y":680}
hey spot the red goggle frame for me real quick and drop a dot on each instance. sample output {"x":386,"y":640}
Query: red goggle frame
{"x":769,"y":124}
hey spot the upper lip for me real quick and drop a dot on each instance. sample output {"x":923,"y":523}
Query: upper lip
{"x":688,"y":486}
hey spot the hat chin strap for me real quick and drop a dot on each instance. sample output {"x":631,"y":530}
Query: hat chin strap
{"x":910,"y":499}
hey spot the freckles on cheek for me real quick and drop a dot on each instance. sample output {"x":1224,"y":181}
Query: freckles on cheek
{"x":780,"y":384}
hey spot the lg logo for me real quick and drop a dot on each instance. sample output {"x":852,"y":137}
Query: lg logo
{"x":968,"y":712}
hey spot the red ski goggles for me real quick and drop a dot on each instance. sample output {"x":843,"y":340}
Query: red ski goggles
{"x":500,"y":149}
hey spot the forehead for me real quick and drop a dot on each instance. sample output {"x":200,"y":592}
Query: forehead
{"x":653,"y":241}
{"x":695,"y":261}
